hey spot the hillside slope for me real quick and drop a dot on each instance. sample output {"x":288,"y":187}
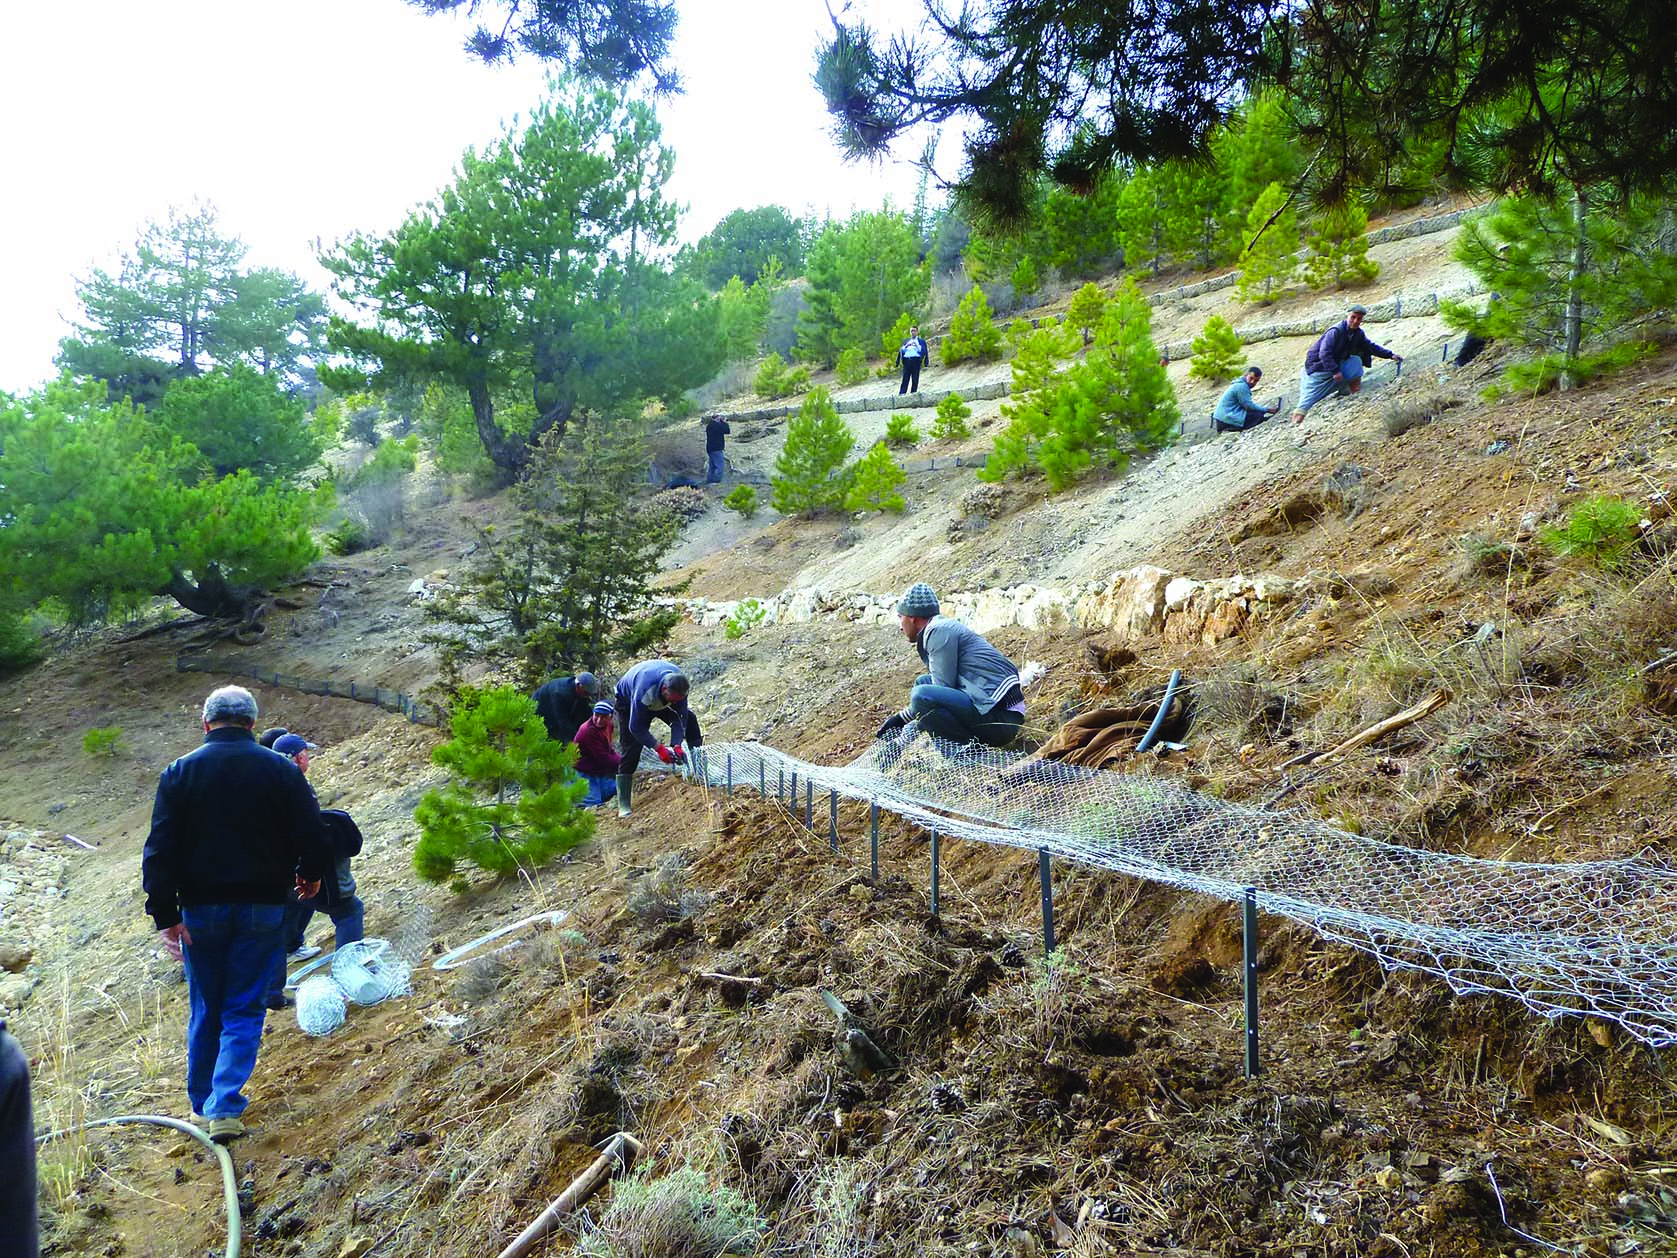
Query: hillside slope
{"x":1100,"y":1092}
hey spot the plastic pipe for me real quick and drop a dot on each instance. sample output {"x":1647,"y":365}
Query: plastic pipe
{"x":1164,"y":706}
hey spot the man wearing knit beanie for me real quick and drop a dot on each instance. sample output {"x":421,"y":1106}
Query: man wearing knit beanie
{"x":970,"y":691}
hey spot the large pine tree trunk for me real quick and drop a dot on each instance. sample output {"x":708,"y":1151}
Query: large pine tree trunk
{"x":212,"y":595}
{"x":510,"y":455}
{"x":1572,"y":321}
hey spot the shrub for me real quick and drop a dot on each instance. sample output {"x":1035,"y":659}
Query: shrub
{"x":775,"y":380}
{"x":817,"y":443}
{"x":742,"y":498}
{"x":676,"y":1216}
{"x":1542,"y":375}
{"x":1401,"y":414}
{"x":892,"y":340}
{"x":347,"y":536}
{"x":20,"y":646}
{"x":104,"y":740}
{"x":511,"y":800}
{"x":662,"y":894}
{"x":1601,"y":529}
{"x":972,"y":333}
{"x":950,"y":422}
{"x":748,"y":612}
{"x":852,"y":366}
{"x":1217,"y":351}
{"x":900,"y":430}
{"x":874,"y":482}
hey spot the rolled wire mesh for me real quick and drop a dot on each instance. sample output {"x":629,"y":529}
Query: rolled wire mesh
{"x":1596,"y":938}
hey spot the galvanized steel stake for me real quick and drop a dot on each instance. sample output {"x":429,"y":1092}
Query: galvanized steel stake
{"x":1249,"y":945}
{"x":937,"y":848}
{"x":873,"y":833}
{"x":832,"y":818}
{"x":809,"y":802}
{"x":728,"y":764}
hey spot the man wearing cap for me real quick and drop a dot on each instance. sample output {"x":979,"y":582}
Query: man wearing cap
{"x":1336,"y":361}
{"x":336,"y":898}
{"x":971,"y":691}
{"x":596,"y":759}
{"x":652,"y":688}
{"x":564,"y":704}
{"x":234,"y":830}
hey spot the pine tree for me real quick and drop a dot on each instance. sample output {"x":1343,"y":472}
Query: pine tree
{"x":1035,"y":380}
{"x":1116,"y":401}
{"x":1217,"y":351}
{"x":1197,"y":214}
{"x":874,"y":481}
{"x":1025,"y":278}
{"x":817,"y":443}
{"x":900,"y":430}
{"x":1084,"y":313}
{"x":950,"y":422}
{"x":1261,"y":149}
{"x":1339,"y":249}
{"x":512,"y":799}
{"x":567,"y":584}
{"x":1271,"y":257}
{"x":858,"y":274}
{"x":1142,"y":210}
{"x":972,"y":332}
{"x":851,"y":367}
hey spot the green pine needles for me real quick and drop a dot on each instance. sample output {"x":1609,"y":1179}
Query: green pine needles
{"x":513,"y":793}
{"x":900,"y":430}
{"x":1217,"y":351}
{"x":775,"y":380}
{"x":874,"y":482}
{"x":973,"y":334}
{"x":1271,"y":258}
{"x":1096,"y":412}
{"x":818,"y":441}
{"x":742,"y":498}
{"x":1602,"y":530}
{"x":1338,"y":249}
{"x":950,"y":422}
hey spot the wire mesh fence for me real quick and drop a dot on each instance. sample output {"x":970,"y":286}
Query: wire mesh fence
{"x":382,"y":696}
{"x":1592,"y":938}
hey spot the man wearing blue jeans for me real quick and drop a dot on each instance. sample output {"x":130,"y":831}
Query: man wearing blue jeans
{"x":716,"y":435}
{"x":234,"y":829}
{"x":1335,"y":363}
{"x":971,"y":691}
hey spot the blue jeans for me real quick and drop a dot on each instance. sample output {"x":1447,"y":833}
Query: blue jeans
{"x":952,"y":715}
{"x":600,"y":791}
{"x":713,"y":467}
{"x":349,"y":916}
{"x":233,"y":951}
{"x":1316,"y":385}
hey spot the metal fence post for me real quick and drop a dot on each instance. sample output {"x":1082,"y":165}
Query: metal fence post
{"x":762,"y":779}
{"x":1046,"y":869}
{"x":728,"y":770}
{"x":873,"y":832}
{"x":1249,"y":946}
{"x":780,"y":790}
{"x":809,"y":801}
{"x":832,"y":818}
{"x":937,"y":852}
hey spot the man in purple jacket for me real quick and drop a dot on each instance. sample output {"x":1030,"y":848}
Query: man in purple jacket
{"x":1336,"y":361}
{"x":652,"y":690}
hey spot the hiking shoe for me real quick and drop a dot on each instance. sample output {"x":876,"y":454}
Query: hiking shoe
{"x":303,"y":954}
{"x":282,"y":1001}
{"x":226,"y":1130}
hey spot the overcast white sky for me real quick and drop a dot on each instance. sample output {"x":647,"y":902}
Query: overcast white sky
{"x":314,"y":118}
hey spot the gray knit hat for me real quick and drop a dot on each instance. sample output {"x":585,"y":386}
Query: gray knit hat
{"x":919,"y":601}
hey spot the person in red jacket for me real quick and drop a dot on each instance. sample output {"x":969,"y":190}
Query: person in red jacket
{"x":596,"y":759}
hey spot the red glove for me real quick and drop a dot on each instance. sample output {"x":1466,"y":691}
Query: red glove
{"x":665,"y":754}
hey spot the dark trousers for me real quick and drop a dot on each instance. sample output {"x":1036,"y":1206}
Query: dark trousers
{"x":19,"y":1236}
{"x":911,"y":376}
{"x":632,"y":750}
{"x":1251,"y":422}
{"x":950,"y":714}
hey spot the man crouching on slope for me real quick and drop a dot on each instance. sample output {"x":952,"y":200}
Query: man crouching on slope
{"x":971,"y":693}
{"x":234,"y":828}
{"x":652,"y":688}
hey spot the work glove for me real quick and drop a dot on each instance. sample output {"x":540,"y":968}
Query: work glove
{"x":665,"y":754}
{"x":892,"y":724}
{"x":680,"y":753}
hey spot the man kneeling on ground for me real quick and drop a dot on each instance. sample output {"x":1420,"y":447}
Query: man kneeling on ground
{"x":1236,"y":411}
{"x":971,"y":692}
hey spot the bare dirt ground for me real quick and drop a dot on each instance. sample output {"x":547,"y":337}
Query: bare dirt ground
{"x":1093,"y":1105}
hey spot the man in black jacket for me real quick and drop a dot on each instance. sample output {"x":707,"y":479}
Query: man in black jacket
{"x":716,"y":433}
{"x":234,"y":829}
{"x":565,"y":703}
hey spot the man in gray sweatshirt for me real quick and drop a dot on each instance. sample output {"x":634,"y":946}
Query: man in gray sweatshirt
{"x":970,"y":692}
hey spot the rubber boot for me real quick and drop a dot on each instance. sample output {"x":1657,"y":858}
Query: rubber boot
{"x":625,"y":790}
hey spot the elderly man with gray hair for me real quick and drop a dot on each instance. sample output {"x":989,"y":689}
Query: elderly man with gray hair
{"x":971,"y":691}
{"x":234,"y":829}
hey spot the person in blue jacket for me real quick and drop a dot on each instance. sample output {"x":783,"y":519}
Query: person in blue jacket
{"x":652,"y":689}
{"x":1236,"y":411}
{"x":970,"y":692}
{"x":1336,"y":362}
{"x":909,"y":358}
